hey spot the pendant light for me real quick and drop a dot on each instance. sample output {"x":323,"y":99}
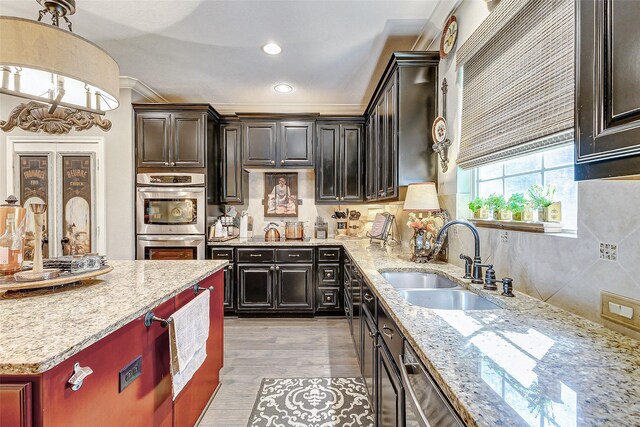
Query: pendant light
{"x":69,"y":80}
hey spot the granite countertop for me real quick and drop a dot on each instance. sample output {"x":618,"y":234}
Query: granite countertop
{"x":528,"y":364}
{"x":42,"y":328}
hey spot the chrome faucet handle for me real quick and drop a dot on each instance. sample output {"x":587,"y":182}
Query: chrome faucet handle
{"x":468,"y":262}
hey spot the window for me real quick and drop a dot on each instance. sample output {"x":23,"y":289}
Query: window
{"x":554,"y":166}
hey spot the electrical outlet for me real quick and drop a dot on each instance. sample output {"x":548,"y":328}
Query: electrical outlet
{"x":620,"y":309}
{"x":609,"y":252}
{"x":504,"y":237}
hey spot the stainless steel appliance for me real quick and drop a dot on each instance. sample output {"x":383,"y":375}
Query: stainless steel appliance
{"x":171,"y":247}
{"x":170,"y":215}
{"x":425,"y":405}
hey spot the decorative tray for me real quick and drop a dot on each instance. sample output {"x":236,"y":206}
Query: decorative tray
{"x":10,"y":284}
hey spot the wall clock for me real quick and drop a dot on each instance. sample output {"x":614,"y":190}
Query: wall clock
{"x":449,"y":36}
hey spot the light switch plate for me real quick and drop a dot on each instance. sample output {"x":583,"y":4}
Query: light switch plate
{"x":609,"y":252}
{"x":620,"y":309}
{"x":504,"y":237}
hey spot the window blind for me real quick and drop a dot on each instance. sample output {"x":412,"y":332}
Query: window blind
{"x":518,"y":81}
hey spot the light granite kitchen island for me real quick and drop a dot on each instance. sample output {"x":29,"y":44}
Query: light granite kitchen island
{"x":528,"y":363}
{"x":99,"y":324}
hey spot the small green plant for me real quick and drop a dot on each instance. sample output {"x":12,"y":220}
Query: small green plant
{"x":496,"y":202}
{"x":542,"y":197}
{"x":476,"y":204}
{"x":518,"y":203}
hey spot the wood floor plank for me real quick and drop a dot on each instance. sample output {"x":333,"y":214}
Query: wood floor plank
{"x":276,"y":348}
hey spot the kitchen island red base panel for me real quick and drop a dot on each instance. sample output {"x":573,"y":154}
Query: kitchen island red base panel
{"x":47,"y":400}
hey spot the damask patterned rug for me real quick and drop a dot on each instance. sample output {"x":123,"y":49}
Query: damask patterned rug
{"x":312,"y":402}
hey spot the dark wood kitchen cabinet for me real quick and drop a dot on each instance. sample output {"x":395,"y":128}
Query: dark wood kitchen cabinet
{"x":232,"y":176}
{"x":226,"y":253}
{"x":255,"y":287}
{"x":608,"y":89}
{"x":278,"y":143}
{"x":279,"y":280}
{"x":294,"y":287}
{"x":340,"y":162}
{"x":173,"y":135}
{"x":399,"y":146}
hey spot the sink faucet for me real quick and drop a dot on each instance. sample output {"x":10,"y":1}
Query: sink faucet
{"x":477,"y":261}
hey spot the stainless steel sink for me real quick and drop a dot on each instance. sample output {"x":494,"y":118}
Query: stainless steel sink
{"x":417,"y":280}
{"x":447,"y":299}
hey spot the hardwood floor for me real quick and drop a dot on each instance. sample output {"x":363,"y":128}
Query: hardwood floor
{"x":276,"y":348}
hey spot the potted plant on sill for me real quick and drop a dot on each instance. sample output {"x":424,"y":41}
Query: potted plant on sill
{"x":520,"y":207}
{"x":477,"y":206}
{"x":542,"y":198}
{"x":498,"y":205}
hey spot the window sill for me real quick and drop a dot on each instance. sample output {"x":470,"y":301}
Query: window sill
{"x":538,"y":227}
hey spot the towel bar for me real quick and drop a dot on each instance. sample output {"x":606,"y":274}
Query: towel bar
{"x":149,"y":318}
{"x":197,"y":288}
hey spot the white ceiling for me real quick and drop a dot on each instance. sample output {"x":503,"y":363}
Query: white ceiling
{"x":209,"y":51}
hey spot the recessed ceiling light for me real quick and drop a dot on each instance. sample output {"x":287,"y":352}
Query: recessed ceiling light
{"x":283,"y":88}
{"x":271,"y":49}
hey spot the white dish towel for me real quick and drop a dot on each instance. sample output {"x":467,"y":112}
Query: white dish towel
{"x":188,"y":333}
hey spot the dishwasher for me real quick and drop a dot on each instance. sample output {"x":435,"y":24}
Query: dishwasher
{"x":425,"y":405}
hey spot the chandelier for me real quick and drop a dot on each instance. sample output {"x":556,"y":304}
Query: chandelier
{"x":69,"y":81}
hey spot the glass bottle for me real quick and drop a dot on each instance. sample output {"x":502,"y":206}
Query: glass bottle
{"x":10,"y":248}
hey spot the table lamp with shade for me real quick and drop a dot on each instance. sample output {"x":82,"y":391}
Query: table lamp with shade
{"x":423,"y":197}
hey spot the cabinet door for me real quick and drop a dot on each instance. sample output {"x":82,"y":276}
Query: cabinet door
{"x":255,"y":287}
{"x":352,"y":164}
{"x":259,"y":143}
{"x":391,"y":141}
{"x":295,"y":147}
{"x":294,"y":287}
{"x":368,"y":357}
{"x":390,"y":392}
{"x":231,"y":168}
{"x":188,"y":139}
{"x":153,"y":133}
{"x":371,"y":166}
{"x":229,"y":285}
{"x":608,"y":93}
{"x":327,"y":166}
{"x":16,"y":404}
{"x":194,"y":397}
{"x":381,"y":151}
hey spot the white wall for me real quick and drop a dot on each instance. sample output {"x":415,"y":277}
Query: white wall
{"x":564,"y":271}
{"x":118,"y":164}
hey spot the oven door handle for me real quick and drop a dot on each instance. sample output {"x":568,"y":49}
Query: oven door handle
{"x":172,"y":190}
{"x":172,"y":239}
{"x":422,"y":418}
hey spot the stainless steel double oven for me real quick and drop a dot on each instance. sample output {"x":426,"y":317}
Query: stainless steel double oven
{"x":170,"y":216}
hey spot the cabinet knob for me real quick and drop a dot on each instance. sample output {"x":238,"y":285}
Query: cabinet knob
{"x":337,"y":198}
{"x":273,"y":162}
{"x":277,"y":268}
{"x":166,"y":163}
{"x":173,"y":163}
{"x":282,"y":162}
{"x":230,"y":267}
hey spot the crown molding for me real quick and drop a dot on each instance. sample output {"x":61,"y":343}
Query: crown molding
{"x":433,"y":28}
{"x":322,"y":109}
{"x":141,"y":88}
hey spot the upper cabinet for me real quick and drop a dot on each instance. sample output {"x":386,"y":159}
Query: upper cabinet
{"x":173,"y":135}
{"x":278,"y":143}
{"x":340,"y":163}
{"x":233,"y":176}
{"x":608,"y":89}
{"x":399,"y":146}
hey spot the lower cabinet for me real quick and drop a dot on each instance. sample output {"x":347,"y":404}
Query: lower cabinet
{"x":390,"y":394}
{"x":255,"y":286}
{"x":369,"y":355}
{"x":282,"y":287}
{"x":219,"y":253}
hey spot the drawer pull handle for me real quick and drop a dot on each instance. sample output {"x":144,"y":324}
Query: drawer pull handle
{"x":255,"y":255}
{"x":197,"y":288}
{"x":367,"y":298}
{"x":386,"y":328}
{"x":329,"y":254}
{"x":79,"y":375}
{"x":294,"y":255}
{"x":221,"y":254}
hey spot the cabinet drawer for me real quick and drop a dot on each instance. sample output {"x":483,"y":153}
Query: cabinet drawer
{"x":328,"y":298}
{"x":294,"y":255}
{"x":390,"y":334}
{"x":328,"y":254}
{"x":221,"y":253}
{"x":255,"y":255}
{"x":329,"y":274}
